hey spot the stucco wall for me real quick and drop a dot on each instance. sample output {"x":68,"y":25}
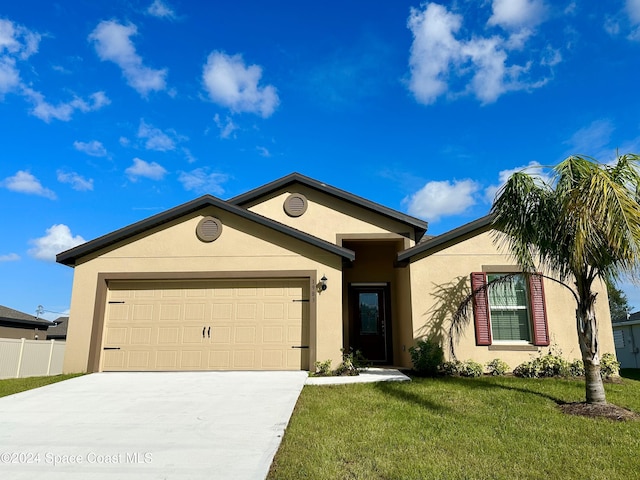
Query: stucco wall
{"x":432,"y":279}
{"x":242,"y":247}
{"x":327,"y":216}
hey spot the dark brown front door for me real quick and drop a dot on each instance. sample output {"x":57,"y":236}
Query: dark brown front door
{"x":370,"y":322}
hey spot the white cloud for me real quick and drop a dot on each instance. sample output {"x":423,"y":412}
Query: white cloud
{"x":233,"y":85}
{"x":517,"y":14}
{"x":17,"y":40}
{"x":25,"y":182}
{"x":264,"y":152}
{"x":438,"y":199}
{"x":113,"y":43}
{"x":16,"y":43}
{"x":156,"y":139}
{"x":226,"y":128}
{"x":76,"y":181}
{"x":161,"y":9}
{"x":9,"y":75}
{"x":633,"y":10}
{"x":58,"y":238}
{"x":10,"y":257}
{"x":439,"y":60}
{"x":540,"y":173}
{"x":63,"y":110}
{"x":93,"y":148}
{"x":140,"y":168}
{"x":201,"y":181}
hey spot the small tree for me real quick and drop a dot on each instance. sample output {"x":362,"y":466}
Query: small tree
{"x":618,"y":303}
{"x":581,"y":227}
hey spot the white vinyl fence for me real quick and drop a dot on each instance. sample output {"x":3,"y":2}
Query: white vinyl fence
{"x":21,"y":358}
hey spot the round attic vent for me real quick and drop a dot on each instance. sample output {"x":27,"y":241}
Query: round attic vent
{"x":209,"y":229}
{"x":295,"y":205}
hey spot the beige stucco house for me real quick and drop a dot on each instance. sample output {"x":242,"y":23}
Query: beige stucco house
{"x":289,"y":274}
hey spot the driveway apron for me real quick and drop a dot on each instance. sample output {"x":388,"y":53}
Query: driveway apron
{"x":160,"y":425}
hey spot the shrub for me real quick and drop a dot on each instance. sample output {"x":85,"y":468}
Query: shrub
{"x":470,"y":368}
{"x":553,"y":366}
{"x":609,"y":366}
{"x":352,"y":363}
{"x":528,"y":369}
{"x":451,"y":368}
{"x":427,"y":357}
{"x":576,"y":368}
{"x":497,"y":367}
{"x":323,"y":369}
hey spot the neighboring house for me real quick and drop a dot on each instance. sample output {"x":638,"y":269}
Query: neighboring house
{"x":626,"y":336}
{"x":58,"y":329}
{"x":289,"y":274}
{"x":15,"y":324}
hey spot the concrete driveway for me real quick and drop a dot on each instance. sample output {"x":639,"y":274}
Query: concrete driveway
{"x":182,"y":425}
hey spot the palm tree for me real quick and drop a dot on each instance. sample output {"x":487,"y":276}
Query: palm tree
{"x":581,"y":227}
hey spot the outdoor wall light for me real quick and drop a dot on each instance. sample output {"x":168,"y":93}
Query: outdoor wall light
{"x":322,"y":285}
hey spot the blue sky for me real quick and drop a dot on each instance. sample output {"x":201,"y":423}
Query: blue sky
{"x":114,"y":111}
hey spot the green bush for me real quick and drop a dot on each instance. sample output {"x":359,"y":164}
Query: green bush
{"x":451,"y":368}
{"x":576,"y":368}
{"x":427,"y":357}
{"x":323,"y":369}
{"x":609,"y":367}
{"x":470,"y":368}
{"x":553,"y":366}
{"x":353,"y":362}
{"x":530,"y":369}
{"x":497,"y":367}
{"x":548,"y":365}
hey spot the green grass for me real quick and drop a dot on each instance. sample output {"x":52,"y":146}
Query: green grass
{"x":10,"y":386}
{"x":454,"y":428}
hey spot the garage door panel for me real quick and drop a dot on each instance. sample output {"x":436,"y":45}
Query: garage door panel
{"x":168,"y":335}
{"x":219,"y":360}
{"x":193,"y":334}
{"x":245,"y":334}
{"x":167,"y":359}
{"x":141,"y":336}
{"x":170,"y":312}
{"x":211,"y":325}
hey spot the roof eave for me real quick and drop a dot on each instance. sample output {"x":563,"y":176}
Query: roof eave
{"x":69,"y":257}
{"x":476,"y":226}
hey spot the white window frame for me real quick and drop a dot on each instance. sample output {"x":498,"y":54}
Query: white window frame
{"x":491,"y":276}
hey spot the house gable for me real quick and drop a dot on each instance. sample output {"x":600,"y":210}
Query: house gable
{"x":161,"y":230}
{"x":329,"y":213}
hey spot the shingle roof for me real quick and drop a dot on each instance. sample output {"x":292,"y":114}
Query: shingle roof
{"x":9,"y":315}
{"x":58,"y":329}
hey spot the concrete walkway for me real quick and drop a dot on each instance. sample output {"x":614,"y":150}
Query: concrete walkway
{"x":369,"y":375}
{"x":182,"y":425}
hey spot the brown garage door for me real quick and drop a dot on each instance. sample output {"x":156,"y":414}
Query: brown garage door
{"x":207,"y":325}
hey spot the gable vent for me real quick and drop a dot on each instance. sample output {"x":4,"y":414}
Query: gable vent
{"x":209,"y":229}
{"x":295,"y":205}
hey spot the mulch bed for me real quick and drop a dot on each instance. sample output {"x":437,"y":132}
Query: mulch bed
{"x":599,"y":410}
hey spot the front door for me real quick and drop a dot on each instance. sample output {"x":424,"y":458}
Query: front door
{"x":370,"y":322}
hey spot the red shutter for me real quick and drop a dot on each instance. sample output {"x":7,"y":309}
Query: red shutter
{"x":481,"y":308}
{"x":538,"y":311}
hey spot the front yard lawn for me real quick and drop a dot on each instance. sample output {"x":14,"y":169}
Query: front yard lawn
{"x":10,"y":386}
{"x":457,"y":428}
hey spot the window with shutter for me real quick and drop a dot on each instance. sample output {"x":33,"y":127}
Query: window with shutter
{"x":509,"y":312}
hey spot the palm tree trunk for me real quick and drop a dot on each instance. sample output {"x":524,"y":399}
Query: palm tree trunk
{"x":590,"y":349}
